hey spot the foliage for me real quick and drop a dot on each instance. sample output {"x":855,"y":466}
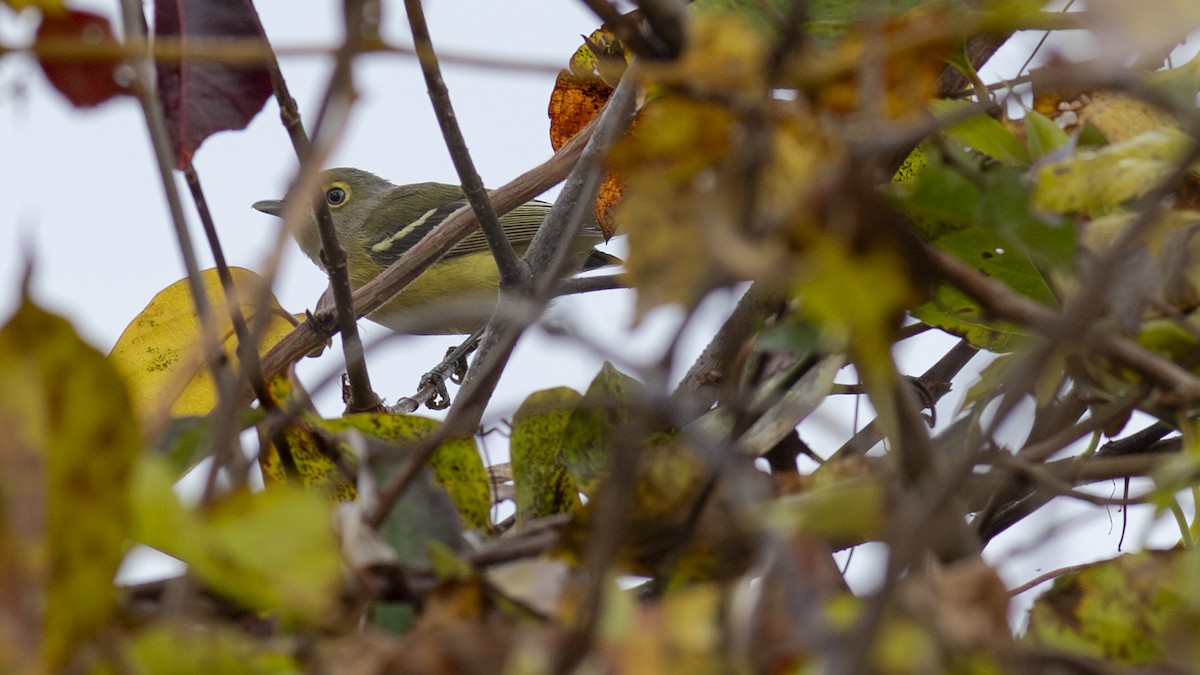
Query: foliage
{"x":846,"y":159}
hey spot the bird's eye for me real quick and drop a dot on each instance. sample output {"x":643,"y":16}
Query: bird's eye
{"x":335,"y":196}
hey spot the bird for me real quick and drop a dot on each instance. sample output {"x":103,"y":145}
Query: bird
{"x":377,"y":221}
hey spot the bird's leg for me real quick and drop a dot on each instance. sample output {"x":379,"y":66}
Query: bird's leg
{"x":454,"y":367}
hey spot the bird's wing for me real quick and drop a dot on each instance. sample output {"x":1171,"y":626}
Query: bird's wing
{"x":520,"y":225}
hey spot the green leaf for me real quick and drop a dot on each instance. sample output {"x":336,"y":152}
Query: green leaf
{"x":1004,"y":208}
{"x":543,"y":486}
{"x":590,"y":432}
{"x":271,"y":551}
{"x":67,"y":447}
{"x":957,"y":313}
{"x":1042,"y":135}
{"x":981,"y":133}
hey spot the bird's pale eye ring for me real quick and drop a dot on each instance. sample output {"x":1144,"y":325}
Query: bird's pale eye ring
{"x":335,"y":196}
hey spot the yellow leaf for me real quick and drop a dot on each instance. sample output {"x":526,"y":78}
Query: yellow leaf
{"x":46,"y":6}
{"x":1101,"y":179}
{"x":66,"y":450}
{"x":160,"y":356}
{"x":857,"y":297}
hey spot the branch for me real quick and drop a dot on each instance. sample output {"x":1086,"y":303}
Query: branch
{"x":225,"y":435}
{"x":512,"y":272}
{"x":547,"y":257}
{"x":362,"y":396}
{"x":1004,"y":303}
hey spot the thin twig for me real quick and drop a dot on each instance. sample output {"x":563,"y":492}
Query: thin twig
{"x":512,"y":272}
{"x":548,"y":258}
{"x":1005,"y":303}
{"x":225,"y":436}
{"x":1048,"y":576}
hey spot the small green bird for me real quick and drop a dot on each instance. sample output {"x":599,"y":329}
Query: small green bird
{"x":377,"y":221}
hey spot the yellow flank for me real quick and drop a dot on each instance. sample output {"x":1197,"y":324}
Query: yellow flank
{"x":460,"y":278}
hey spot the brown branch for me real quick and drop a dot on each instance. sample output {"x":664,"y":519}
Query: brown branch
{"x":224,"y":428}
{"x":243,"y":52}
{"x":333,"y":258}
{"x":1048,"y":576}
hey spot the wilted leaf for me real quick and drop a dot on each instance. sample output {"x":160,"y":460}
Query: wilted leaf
{"x":579,"y":94}
{"x":270,"y":551}
{"x":159,"y":353}
{"x":200,"y":97}
{"x":67,"y":445}
{"x":1118,"y":116}
{"x":543,"y":486}
{"x":85,"y":82}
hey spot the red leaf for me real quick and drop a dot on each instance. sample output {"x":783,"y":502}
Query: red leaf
{"x":85,"y":82}
{"x":201,"y":97}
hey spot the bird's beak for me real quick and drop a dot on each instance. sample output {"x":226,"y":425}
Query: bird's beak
{"x":273,"y":207}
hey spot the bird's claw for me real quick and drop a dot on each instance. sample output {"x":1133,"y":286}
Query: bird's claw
{"x":436,"y":378}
